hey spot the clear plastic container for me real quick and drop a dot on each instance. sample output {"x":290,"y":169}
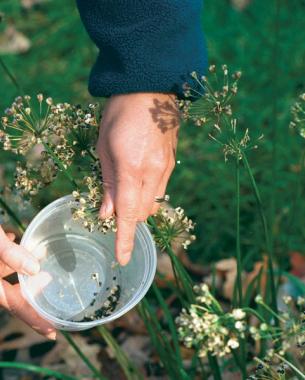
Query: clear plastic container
{"x":80,"y":284}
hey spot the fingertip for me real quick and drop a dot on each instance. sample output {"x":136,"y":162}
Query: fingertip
{"x":52,"y":335}
{"x":123,"y":258}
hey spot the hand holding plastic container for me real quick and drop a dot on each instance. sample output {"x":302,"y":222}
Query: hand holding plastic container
{"x":80,"y":284}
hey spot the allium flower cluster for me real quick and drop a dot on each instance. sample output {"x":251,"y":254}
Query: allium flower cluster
{"x":235,"y":145}
{"x":55,"y":134}
{"x":26,"y":124}
{"x":89,"y":202}
{"x":206,"y":327}
{"x":174,"y":227}
{"x":214,"y":99}
{"x":214,"y":109}
{"x":298,"y":116}
{"x":84,"y":128}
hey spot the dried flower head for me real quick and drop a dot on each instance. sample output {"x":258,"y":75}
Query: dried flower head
{"x":88,"y":203}
{"x":174,"y":227}
{"x":298,"y":116}
{"x":214,"y":97}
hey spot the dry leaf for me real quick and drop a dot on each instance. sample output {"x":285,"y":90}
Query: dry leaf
{"x":131,"y":322}
{"x":63,"y":358}
{"x":226,"y":272}
{"x":26,"y":337}
{"x":28,"y":4}
{"x":138,"y":348}
{"x":14,"y":42}
{"x":297,"y":261}
{"x":240,"y":5}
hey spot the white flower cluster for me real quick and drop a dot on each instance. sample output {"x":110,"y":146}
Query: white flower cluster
{"x":174,"y":227}
{"x":298,"y":116}
{"x":206,"y":327}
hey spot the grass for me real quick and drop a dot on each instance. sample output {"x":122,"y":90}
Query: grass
{"x":263,"y":41}
{"x":58,"y":64}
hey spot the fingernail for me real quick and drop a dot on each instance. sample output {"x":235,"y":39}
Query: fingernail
{"x":52,"y":335}
{"x":31,"y":266}
{"x":124,"y":258}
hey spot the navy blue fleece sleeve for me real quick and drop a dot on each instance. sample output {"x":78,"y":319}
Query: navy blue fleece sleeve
{"x":144,"y":45}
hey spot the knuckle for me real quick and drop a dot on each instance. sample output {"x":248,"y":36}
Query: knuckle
{"x":155,"y":209}
{"x":142,"y":217}
{"x":157,"y":164}
{"x":129,"y":217}
{"x":125,"y":244}
{"x":171,"y":164}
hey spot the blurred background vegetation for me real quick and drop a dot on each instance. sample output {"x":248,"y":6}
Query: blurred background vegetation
{"x":263,"y":39}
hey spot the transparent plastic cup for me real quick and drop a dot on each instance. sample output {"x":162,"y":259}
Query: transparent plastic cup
{"x":80,"y":285}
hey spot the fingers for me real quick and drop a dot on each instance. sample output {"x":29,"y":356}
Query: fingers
{"x":107,"y":208}
{"x":161,"y":191}
{"x":12,"y":300}
{"x":11,"y":236}
{"x":16,"y":257}
{"x":126,"y":201}
{"x":149,"y":192}
{"x":5,"y":270}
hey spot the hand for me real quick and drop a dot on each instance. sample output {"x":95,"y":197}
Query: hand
{"x":14,"y":258}
{"x":137,"y":147}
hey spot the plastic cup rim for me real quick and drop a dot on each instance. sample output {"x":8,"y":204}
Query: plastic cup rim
{"x":148,"y":276}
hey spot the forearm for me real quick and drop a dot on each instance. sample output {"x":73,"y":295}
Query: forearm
{"x":144,"y":46}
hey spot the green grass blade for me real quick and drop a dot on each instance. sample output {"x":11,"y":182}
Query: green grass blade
{"x":88,"y":363}
{"x":170,"y":321}
{"x":130,"y":371}
{"x":36,"y":369}
{"x":250,"y":288}
{"x":167,"y":354}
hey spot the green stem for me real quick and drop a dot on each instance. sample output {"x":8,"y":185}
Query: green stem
{"x":255,"y":313}
{"x":294,"y":368}
{"x":242,"y":362}
{"x":169,"y":320}
{"x":271,"y":311}
{"x":266,"y":234}
{"x":130,"y":371}
{"x":11,"y":76}
{"x":36,"y":369}
{"x":181,"y":275}
{"x":213,"y":362}
{"x":60,"y":165}
{"x":295,"y":202}
{"x":238,"y":249}
{"x":88,"y":363}
{"x":12,"y":215}
{"x":274,"y":131}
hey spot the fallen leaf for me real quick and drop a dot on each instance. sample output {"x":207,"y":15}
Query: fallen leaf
{"x":297,"y":261}
{"x":131,"y":322}
{"x":138,"y":348}
{"x":63,"y":357}
{"x":14,"y":42}
{"x":28,"y":4}
{"x":25,"y":336}
{"x":240,"y":5}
